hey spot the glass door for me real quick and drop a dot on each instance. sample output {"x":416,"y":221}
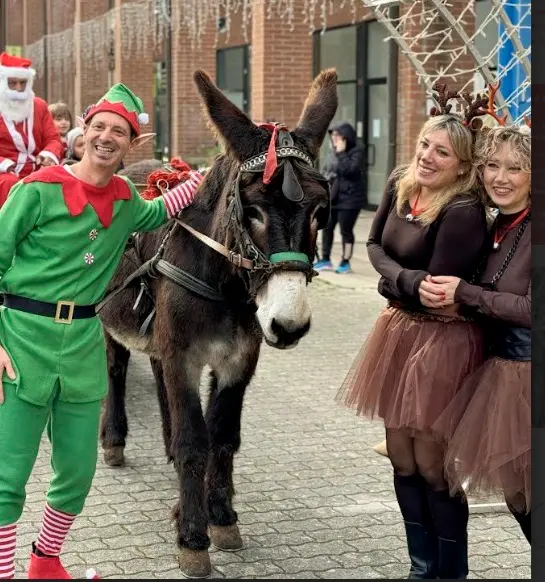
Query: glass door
{"x":377,"y":141}
{"x":362,"y":59}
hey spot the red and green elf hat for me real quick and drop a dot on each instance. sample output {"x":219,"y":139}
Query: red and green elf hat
{"x":121,"y":100}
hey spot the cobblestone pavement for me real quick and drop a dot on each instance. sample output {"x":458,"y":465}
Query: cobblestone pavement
{"x":314,"y":499}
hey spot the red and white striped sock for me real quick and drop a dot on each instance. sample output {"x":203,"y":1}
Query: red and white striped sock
{"x":55,"y":527}
{"x":8,"y":541}
{"x":182,"y":195}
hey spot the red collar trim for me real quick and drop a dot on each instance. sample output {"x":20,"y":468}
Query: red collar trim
{"x":77,"y":194}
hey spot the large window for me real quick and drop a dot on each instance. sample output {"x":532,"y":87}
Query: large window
{"x":485,"y":42}
{"x":361,"y":57}
{"x":233,"y":75}
{"x":338,"y":48}
{"x":160,"y":110}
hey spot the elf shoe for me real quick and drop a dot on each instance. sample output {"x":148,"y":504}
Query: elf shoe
{"x":46,"y":568}
{"x":50,"y":568}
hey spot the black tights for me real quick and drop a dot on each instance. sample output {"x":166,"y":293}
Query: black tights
{"x":347,"y":220}
{"x":435,"y":522}
{"x":517,"y":507}
{"x":411,"y":455}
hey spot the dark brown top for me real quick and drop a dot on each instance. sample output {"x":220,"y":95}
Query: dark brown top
{"x":511,"y":302}
{"x":405,"y":252}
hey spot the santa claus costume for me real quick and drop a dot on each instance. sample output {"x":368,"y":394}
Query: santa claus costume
{"x":27,"y":131}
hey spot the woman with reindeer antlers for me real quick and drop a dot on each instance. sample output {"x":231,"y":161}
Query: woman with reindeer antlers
{"x":488,"y":424}
{"x":431,"y":221}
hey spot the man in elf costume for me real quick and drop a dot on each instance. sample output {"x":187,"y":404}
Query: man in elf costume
{"x":63,"y":231}
{"x":28,"y":136}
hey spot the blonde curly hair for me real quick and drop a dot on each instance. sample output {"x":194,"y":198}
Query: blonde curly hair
{"x":491,"y":140}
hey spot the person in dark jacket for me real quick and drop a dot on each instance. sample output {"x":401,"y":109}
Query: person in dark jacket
{"x":344,"y":172}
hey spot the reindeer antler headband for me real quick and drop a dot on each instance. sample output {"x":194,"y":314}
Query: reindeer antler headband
{"x":491,"y":109}
{"x":473,"y":106}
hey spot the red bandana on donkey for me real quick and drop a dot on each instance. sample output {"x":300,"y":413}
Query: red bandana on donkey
{"x":28,"y":137}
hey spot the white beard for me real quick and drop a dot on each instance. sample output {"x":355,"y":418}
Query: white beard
{"x":18,"y":109}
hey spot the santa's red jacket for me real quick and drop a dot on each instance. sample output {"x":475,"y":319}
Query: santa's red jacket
{"x":21,"y":143}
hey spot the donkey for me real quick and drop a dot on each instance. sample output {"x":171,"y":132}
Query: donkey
{"x":233,"y":270}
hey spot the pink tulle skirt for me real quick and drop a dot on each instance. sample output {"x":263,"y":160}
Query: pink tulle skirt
{"x":411,"y":367}
{"x":488,"y":430}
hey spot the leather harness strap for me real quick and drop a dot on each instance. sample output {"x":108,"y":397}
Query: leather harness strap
{"x":231,"y":256}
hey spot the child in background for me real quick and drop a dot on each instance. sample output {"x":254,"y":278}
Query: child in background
{"x":75,"y":146}
{"x":61,"y":117}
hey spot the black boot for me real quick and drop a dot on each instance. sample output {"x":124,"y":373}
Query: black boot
{"x":525,"y":522}
{"x":450,"y":517}
{"x":421,"y":539}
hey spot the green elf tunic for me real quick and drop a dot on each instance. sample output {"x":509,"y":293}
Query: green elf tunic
{"x":61,"y":240}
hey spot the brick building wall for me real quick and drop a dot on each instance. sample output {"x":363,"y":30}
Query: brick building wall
{"x":60,"y":73}
{"x":137,"y":73}
{"x":33,"y":30}
{"x":281,"y":69}
{"x":94,"y":73}
{"x":412,"y":109}
{"x":191,"y":140}
{"x":14,"y":17}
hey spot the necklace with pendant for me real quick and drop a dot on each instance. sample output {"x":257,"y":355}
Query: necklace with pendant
{"x":500,"y":235}
{"x":414,"y":213}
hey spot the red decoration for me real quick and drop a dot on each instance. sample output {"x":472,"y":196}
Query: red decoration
{"x":164,"y":179}
{"x":271,"y":164}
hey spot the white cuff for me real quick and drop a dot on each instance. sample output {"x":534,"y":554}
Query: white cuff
{"x":46,"y":154}
{"x":6,"y":165}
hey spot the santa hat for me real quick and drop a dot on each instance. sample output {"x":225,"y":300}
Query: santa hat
{"x":121,"y":100}
{"x":15,"y":67}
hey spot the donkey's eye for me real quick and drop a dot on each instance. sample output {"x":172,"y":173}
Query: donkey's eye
{"x":254,"y":214}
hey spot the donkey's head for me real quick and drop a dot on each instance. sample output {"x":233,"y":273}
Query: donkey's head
{"x":278,"y":200}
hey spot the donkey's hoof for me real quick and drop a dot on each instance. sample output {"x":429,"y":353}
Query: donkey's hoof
{"x":194,"y":563}
{"x":226,"y":537}
{"x":114,"y":456}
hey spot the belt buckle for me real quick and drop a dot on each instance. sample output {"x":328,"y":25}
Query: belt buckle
{"x":65,"y":320}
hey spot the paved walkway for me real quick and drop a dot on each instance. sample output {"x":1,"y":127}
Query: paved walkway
{"x":314,"y":500}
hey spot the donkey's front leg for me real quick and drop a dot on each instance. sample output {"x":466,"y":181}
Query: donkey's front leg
{"x":223,"y":418}
{"x":189,"y":450}
{"x":166,"y":423}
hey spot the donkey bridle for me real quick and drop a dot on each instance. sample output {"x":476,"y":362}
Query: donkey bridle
{"x":250,"y":257}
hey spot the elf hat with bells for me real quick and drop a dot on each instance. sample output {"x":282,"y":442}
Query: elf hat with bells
{"x":121,"y":100}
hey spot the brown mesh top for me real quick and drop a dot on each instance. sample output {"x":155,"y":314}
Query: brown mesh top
{"x":404,"y":252}
{"x":512,"y":300}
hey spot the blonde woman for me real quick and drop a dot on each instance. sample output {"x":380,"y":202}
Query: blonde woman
{"x":431,"y":221}
{"x":489,"y":422}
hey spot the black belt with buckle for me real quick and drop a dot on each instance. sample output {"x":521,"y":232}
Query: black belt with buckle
{"x":62,"y":311}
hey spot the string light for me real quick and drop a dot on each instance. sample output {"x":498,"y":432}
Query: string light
{"x":434,"y":44}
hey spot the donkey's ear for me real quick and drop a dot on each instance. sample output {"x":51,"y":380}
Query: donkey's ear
{"x":231,"y":127}
{"x":319,"y":110}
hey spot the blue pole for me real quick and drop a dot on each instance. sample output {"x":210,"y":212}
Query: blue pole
{"x":513,"y":75}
